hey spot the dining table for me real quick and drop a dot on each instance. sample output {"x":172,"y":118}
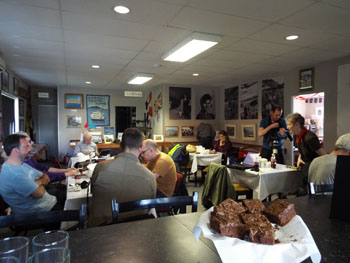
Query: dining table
{"x":170,"y":239}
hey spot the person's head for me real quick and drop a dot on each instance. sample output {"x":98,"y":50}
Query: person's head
{"x":87,"y":138}
{"x":206,"y":102}
{"x":343,"y":144}
{"x":16,"y":146}
{"x":27,"y":137}
{"x":131,"y":140}
{"x":223,"y":136}
{"x":275,"y":113}
{"x":295,"y":123}
{"x":149,"y":150}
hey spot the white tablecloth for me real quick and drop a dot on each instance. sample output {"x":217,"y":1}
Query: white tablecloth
{"x":268,"y":181}
{"x":204,"y":160}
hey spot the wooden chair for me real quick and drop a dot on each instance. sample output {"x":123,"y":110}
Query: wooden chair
{"x":43,"y":219}
{"x":241,"y":190}
{"x":153,"y":203}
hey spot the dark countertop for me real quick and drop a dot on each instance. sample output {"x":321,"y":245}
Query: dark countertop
{"x":170,"y":239}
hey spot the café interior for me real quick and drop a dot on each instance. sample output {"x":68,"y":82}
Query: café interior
{"x":68,"y":67}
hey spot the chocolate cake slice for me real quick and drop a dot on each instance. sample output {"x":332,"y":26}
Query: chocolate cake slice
{"x":229,"y":207}
{"x":259,"y":228}
{"x":280,"y":212}
{"x":254,"y":206}
{"x":232,"y":227}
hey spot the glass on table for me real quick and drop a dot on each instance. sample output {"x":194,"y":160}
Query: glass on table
{"x":51,"y":255}
{"x":50,"y":239}
{"x":16,"y":247}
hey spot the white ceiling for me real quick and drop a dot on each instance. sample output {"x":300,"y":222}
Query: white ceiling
{"x":55,"y":42}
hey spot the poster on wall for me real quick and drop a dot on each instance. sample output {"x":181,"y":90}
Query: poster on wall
{"x":231,"y":103}
{"x":98,"y":109}
{"x":179,"y":103}
{"x":157,"y":106}
{"x":249,"y":101}
{"x":272,"y":94}
{"x":205,"y":104}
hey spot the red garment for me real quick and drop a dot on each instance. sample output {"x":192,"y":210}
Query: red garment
{"x":300,"y":136}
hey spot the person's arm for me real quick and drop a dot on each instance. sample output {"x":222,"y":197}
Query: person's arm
{"x":43,"y":180}
{"x":39,"y":192}
{"x":262,"y":131}
{"x":77,"y":149}
{"x":300,"y":162}
{"x":321,"y":151}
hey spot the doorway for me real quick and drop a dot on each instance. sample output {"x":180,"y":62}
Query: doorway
{"x":8,"y":116}
{"x":311,"y":107}
{"x":125,"y":117}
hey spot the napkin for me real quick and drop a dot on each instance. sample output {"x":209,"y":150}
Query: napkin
{"x":296,"y":244}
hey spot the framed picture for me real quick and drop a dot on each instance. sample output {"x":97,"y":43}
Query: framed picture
{"x":74,"y":121}
{"x":249,"y":132}
{"x":74,"y":101}
{"x":5,"y":81}
{"x":187,"y":131}
{"x":231,"y":131}
{"x":306,"y":79}
{"x":158,"y":138}
{"x":21,"y":107}
{"x":108,"y":130}
{"x":171,"y":131}
{"x":120,"y":136}
{"x":108,"y":138}
{"x":98,"y":109}
{"x":15,"y":85}
{"x":96,"y":137}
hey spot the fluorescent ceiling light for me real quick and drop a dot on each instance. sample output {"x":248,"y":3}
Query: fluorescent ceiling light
{"x":140,"y":78}
{"x":87,"y":82}
{"x":121,"y":9}
{"x":292,"y":37}
{"x":95,"y":66}
{"x":195,"y":74}
{"x":190,"y":47}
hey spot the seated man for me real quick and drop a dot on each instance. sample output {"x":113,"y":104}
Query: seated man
{"x":54,"y":174}
{"x":86,"y":146}
{"x":322,"y":169}
{"x":123,"y":178}
{"x":162,"y":166}
{"x":21,"y":186}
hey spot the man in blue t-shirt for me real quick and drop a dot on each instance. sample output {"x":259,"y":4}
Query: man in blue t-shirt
{"x":21,"y":186}
{"x":273,"y":129}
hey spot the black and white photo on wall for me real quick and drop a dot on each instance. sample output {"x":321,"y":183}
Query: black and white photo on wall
{"x":249,"y":101}
{"x":272,"y":94}
{"x":205,"y":104}
{"x":179,"y":103}
{"x":231,"y":103}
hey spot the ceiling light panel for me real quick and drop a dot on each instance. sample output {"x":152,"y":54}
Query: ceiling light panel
{"x":140,"y":78}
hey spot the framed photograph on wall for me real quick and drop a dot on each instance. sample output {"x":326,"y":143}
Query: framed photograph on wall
{"x":21,"y":107}
{"x":5,"y":81}
{"x":74,"y":121}
{"x":231,"y":131}
{"x":97,"y":109}
{"x":306,"y":79}
{"x":158,"y":138}
{"x":15,"y":85}
{"x":187,"y":131}
{"x":74,"y":101}
{"x":171,"y":131}
{"x":249,"y":132}
{"x":108,"y":138}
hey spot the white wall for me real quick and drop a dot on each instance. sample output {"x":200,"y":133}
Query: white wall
{"x":116,"y":99}
{"x":343,"y":99}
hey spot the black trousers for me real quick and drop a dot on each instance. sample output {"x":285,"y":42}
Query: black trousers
{"x":266,"y":153}
{"x":206,"y":142}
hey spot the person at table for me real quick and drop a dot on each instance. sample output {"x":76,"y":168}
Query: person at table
{"x":205,"y":134}
{"x":21,"y":186}
{"x":55,"y":174}
{"x":162,"y":166}
{"x":87,"y":146}
{"x":223,"y":145}
{"x":123,"y":178}
{"x":322,"y":169}
{"x":273,"y":128}
{"x":308,"y":145}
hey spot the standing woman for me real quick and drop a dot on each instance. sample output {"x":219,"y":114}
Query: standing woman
{"x":223,"y":144}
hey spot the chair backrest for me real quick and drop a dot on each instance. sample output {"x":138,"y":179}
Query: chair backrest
{"x":153,"y":203}
{"x":178,"y":182}
{"x":43,"y":218}
{"x":320,"y":189}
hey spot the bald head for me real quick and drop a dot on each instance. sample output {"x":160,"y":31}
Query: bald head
{"x":87,"y":138}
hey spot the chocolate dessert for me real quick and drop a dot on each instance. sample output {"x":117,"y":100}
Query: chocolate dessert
{"x":280,"y":212}
{"x":259,"y":228}
{"x":254,"y":206}
{"x":228,"y":207}
{"x":232,"y":227}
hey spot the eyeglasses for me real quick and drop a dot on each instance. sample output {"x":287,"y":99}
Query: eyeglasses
{"x":25,"y":146}
{"x":144,"y":151}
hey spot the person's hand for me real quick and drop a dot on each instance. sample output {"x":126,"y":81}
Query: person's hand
{"x":213,"y":151}
{"x":86,"y":153}
{"x":70,"y":172}
{"x":275,"y":125}
{"x":299,"y":163}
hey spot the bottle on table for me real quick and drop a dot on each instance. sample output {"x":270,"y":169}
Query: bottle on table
{"x":273,"y":161}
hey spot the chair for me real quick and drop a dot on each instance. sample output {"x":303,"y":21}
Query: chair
{"x":153,"y":203}
{"x":242,"y":190}
{"x":319,"y":189}
{"x":43,"y":219}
